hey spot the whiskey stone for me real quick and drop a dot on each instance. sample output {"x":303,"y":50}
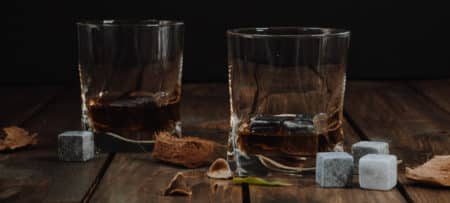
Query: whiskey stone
{"x":334,"y":169}
{"x":298,"y":127}
{"x":76,"y":146}
{"x":286,"y":124}
{"x":378,"y":171}
{"x":265,"y":125}
{"x":363,"y":148}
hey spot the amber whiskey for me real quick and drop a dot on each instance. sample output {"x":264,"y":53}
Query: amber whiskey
{"x":134,"y":115}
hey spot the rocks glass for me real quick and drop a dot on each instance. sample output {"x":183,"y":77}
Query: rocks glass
{"x":130,"y":75}
{"x":286,"y":96}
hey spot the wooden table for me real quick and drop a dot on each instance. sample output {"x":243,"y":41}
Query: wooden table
{"x":413,"y":116}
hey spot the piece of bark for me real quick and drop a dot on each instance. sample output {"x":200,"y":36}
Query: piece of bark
{"x":16,"y":138}
{"x":178,"y":186}
{"x":190,"y":152}
{"x":434,"y":172}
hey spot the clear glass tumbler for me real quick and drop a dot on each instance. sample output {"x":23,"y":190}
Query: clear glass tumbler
{"x":130,"y":75}
{"x":286,"y":96}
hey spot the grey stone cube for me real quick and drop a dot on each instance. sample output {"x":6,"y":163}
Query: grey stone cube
{"x":363,"y":148}
{"x":378,"y":171}
{"x":76,"y":146}
{"x":334,"y":169}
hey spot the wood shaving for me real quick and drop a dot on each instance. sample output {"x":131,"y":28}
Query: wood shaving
{"x":434,"y":172}
{"x":178,"y":186}
{"x":16,"y":138}
{"x":219,"y":169}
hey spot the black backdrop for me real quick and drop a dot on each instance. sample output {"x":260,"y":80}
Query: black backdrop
{"x":390,"y":39}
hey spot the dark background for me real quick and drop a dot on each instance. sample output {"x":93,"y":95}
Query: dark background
{"x":390,"y":39}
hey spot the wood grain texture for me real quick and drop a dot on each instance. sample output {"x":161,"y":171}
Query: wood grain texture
{"x":305,"y":189}
{"x":412,"y":117}
{"x":205,"y":111}
{"x":135,"y":177}
{"x":415,"y":128}
{"x":20,"y":103}
{"x":205,"y":115}
{"x":35,"y":174}
{"x":437,"y":91}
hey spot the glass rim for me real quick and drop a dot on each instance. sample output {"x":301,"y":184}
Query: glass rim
{"x":130,"y":22}
{"x":323,"y":32}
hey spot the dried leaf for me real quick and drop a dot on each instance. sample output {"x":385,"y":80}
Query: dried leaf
{"x":259,"y":181}
{"x":220,"y":169}
{"x":190,"y":152}
{"x":16,"y":138}
{"x":435,"y":172}
{"x":178,"y":186}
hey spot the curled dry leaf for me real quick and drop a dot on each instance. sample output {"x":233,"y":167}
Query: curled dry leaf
{"x":435,"y":171}
{"x":178,"y":186}
{"x":190,"y":152}
{"x":16,"y":138}
{"x":220,"y":169}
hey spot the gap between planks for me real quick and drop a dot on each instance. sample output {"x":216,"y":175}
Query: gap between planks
{"x":363,"y":136}
{"x":135,"y":177}
{"x":46,"y":173}
{"x":414,"y":123}
{"x":87,"y":197}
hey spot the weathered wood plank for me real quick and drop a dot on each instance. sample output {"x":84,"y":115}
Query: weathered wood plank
{"x":206,"y":114}
{"x":137,"y":178}
{"x":415,"y":128}
{"x":205,"y":111}
{"x":437,"y":91}
{"x":306,"y":190}
{"x":20,"y":103}
{"x":35,"y":174}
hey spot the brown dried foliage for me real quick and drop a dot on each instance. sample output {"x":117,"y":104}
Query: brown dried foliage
{"x":434,"y":172}
{"x":16,"y":138}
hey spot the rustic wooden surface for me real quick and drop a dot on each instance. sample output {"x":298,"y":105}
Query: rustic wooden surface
{"x":35,"y":174}
{"x":436,"y":91}
{"x":205,"y":114}
{"x":413,"y":116}
{"x":306,"y":190}
{"x":415,"y":127}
